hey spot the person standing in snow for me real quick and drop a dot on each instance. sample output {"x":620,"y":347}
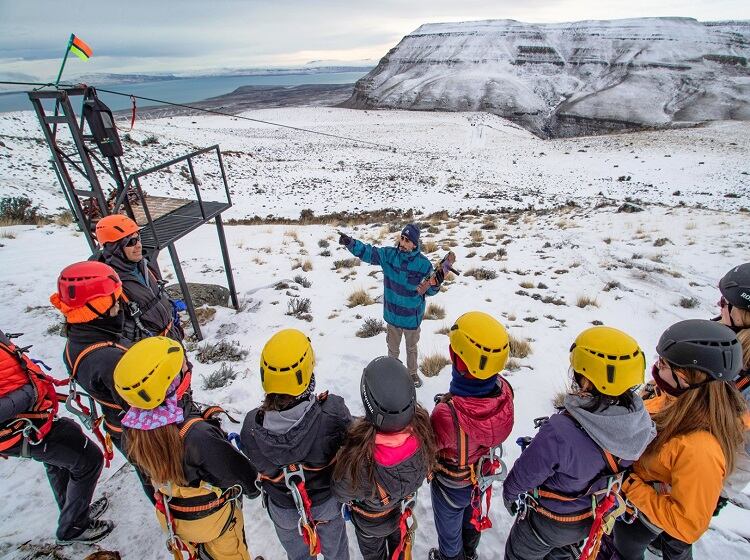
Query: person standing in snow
{"x":470,"y":423}
{"x":384,"y":460}
{"x":735,"y":314}
{"x":292,"y":440}
{"x":89,"y":295}
{"x":71,"y":460}
{"x":148,"y":309}
{"x":601,"y":428}
{"x":404,"y":268}
{"x":699,"y":420}
{"x":199,"y":476}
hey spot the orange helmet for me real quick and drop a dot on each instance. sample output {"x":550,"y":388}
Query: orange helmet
{"x":115,"y":227}
{"x":86,"y":290}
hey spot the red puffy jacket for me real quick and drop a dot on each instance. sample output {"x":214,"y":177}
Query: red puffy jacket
{"x":487,"y":422}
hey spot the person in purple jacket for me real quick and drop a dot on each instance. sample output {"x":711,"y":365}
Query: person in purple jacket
{"x":602,"y":422}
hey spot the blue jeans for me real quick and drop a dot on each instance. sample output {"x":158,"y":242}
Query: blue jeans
{"x":331,"y":531}
{"x":457,"y":537}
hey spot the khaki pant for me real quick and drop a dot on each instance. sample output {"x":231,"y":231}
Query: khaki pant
{"x":393,"y":339}
{"x":229,"y":545}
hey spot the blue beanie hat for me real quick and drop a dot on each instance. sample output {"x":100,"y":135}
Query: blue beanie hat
{"x":411,"y":232}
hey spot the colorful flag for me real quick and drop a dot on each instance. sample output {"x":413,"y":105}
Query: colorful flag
{"x":79,"y":48}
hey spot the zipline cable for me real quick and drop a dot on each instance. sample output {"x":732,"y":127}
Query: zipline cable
{"x":216,"y":112}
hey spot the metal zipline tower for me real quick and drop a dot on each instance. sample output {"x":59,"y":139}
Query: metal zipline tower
{"x":100,"y":149}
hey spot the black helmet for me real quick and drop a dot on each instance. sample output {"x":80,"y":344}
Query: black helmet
{"x":388,"y":394}
{"x":708,"y":346}
{"x":735,"y":286}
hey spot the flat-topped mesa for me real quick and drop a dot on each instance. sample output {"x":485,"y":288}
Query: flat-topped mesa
{"x":568,"y":79}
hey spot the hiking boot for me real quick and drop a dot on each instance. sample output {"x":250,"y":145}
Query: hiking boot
{"x":434,"y":554}
{"x":98,"y":507}
{"x":471,"y":556}
{"x":96,"y":531}
{"x":416,"y":379}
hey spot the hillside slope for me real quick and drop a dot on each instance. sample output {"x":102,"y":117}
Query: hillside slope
{"x":568,"y":79}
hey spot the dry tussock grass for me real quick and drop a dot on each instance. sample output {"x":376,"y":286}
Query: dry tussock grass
{"x":519,"y":348}
{"x":359,"y":297}
{"x":432,"y":364}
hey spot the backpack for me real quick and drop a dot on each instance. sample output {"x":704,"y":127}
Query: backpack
{"x":17,"y":370}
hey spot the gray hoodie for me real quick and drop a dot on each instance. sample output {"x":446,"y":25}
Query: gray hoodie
{"x":607,"y":426}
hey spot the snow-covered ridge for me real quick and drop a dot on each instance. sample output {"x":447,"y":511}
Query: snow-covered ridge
{"x":566,"y":79}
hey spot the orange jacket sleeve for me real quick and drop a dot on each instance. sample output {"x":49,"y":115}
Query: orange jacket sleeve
{"x":697,"y":466}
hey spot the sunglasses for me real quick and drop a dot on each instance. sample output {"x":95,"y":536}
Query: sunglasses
{"x":724,"y":303}
{"x":133,"y":241}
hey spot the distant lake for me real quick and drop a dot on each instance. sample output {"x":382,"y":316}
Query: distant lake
{"x":185,"y":90}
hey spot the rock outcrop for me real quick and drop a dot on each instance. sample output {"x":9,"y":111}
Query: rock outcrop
{"x":570,"y":79}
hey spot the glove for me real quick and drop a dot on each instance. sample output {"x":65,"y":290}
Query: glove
{"x":439,"y":275}
{"x":344,"y":239}
{"x":512,"y":507}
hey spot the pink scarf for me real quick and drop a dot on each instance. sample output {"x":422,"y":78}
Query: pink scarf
{"x":168,"y":412}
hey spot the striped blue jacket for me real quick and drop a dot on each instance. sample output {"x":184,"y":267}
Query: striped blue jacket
{"x":403,"y":307}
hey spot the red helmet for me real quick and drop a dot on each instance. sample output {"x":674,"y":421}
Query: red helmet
{"x":86,"y":290}
{"x":115,"y":227}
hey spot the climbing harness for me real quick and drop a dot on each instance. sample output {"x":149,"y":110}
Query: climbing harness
{"x":88,"y":415}
{"x":196,"y":507}
{"x":607,"y":504}
{"x":488,"y":469}
{"x":29,"y":427}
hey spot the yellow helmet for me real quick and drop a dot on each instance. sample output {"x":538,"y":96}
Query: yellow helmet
{"x":481,"y":342}
{"x":286,"y":363}
{"x":609,"y":358}
{"x":147,"y":369}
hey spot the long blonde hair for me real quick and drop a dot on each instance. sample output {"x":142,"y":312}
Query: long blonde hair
{"x":715,"y":407}
{"x":158,"y":453}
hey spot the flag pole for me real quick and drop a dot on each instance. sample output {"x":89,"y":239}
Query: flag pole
{"x":65,"y":59}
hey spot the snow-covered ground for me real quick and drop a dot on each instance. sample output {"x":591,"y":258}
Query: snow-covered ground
{"x":637,"y":268}
{"x":442,"y":161}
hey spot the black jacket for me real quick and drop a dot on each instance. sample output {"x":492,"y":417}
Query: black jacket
{"x":313,"y":442}
{"x":141,"y":283}
{"x":210,"y":457}
{"x":96,"y":370}
{"x":397,"y":481}
{"x":16,"y":402}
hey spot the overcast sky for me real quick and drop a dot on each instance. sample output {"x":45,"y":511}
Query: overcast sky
{"x":191,"y":35}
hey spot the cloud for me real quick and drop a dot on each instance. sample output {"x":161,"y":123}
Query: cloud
{"x":183,"y":35}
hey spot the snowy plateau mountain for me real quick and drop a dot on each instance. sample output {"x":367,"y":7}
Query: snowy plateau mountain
{"x":570,"y":79}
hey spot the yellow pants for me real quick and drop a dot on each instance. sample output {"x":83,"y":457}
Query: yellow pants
{"x":230,"y":545}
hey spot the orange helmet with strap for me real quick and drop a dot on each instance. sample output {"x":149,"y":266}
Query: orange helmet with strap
{"x":115,"y":227}
{"x":86,"y":290}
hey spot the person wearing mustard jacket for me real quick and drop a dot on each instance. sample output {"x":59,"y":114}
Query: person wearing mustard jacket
{"x":699,"y":414}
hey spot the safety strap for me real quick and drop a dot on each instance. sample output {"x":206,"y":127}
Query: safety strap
{"x":74,"y":365}
{"x":605,"y":515}
{"x":462,"y":471}
{"x":88,"y":414}
{"x":307,"y":526}
{"x":207,"y":414}
{"x":175,"y":544}
{"x":407,"y":525}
